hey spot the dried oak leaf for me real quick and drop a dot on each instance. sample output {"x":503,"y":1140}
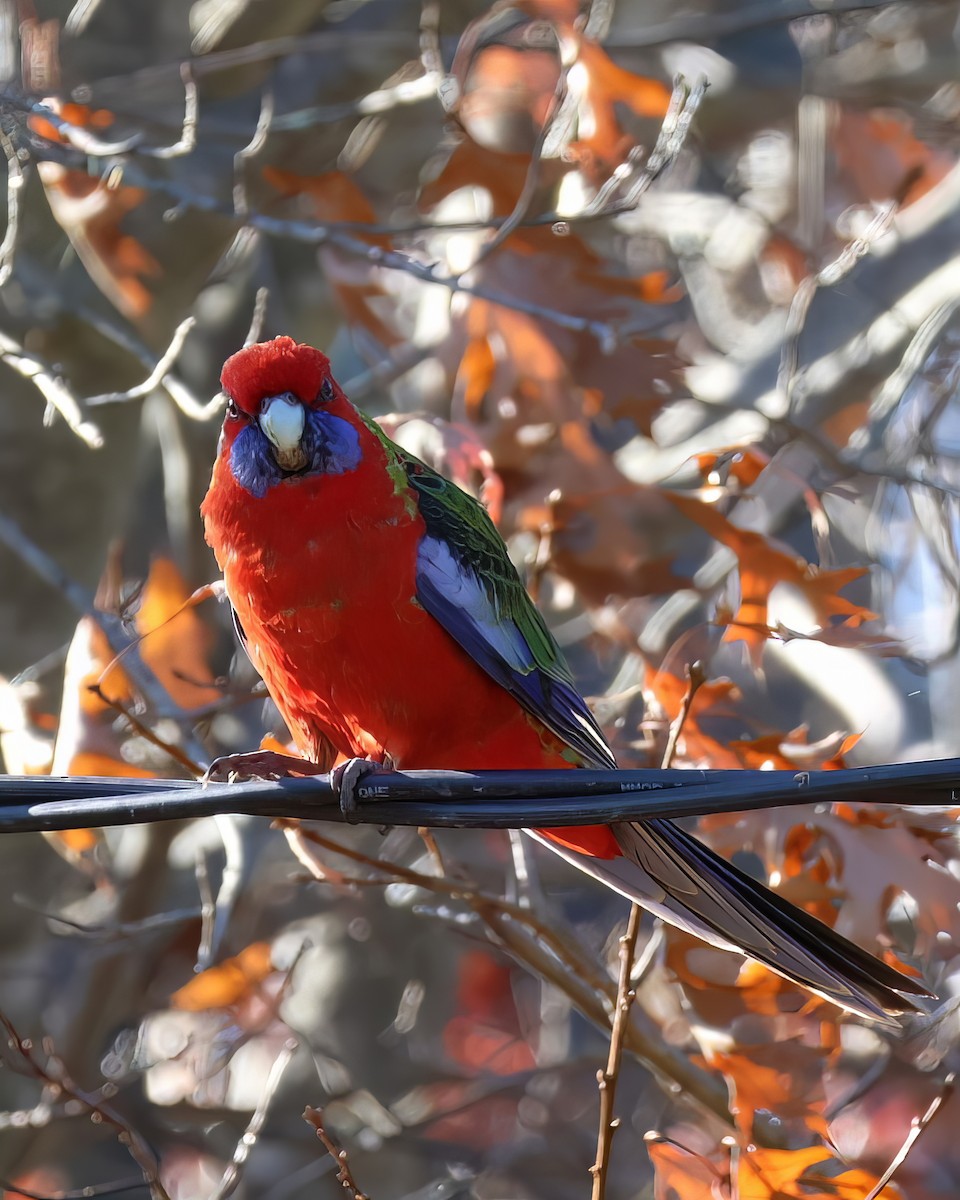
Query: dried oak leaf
{"x":334,"y":196}
{"x":666,"y":691}
{"x":792,"y":752}
{"x":784,"y":1077}
{"x":684,"y":1174}
{"x":91,"y":211}
{"x":882,"y":157}
{"x":228,"y":983}
{"x":867,"y":862}
{"x":176,"y":641}
{"x":762,"y":1173}
{"x":603,"y":143}
{"x":721,"y":987}
{"x":762,"y":565}
{"x":608,"y":536}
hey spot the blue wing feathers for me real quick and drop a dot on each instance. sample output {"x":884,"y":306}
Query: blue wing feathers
{"x":453,"y":593}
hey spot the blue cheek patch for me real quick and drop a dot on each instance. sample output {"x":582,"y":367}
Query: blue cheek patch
{"x":251,"y":462}
{"x":332,"y":446}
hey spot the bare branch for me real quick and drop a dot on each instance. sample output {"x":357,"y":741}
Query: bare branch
{"x":156,"y":377}
{"x":917,"y":1126}
{"x":187,"y":141}
{"x":179,"y":393}
{"x":257,"y":141}
{"x":248,"y":1140}
{"x":15,"y":181}
{"x":53,"y":1074}
{"x":607,"y":1079}
{"x":119,"y":640}
{"x":58,"y":395}
{"x":314,"y":1117}
{"x":684,"y":103}
{"x":696,"y":678}
{"x":258,"y":316}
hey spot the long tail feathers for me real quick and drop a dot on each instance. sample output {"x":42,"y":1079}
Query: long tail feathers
{"x":679,"y":879}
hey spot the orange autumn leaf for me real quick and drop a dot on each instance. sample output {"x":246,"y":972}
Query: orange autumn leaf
{"x":720,"y":988}
{"x":226,"y":983}
{"x":762,"y":565}
{"x":335,"y":196}
{"x":762,"y":1173}
{"x":792,"y":752}
{"x":174,"y":645}
{"x":91,"y":211}
{"x":606,"y":86}
{"x":782,"y":1077}
{"x":714,"y":698}
{"x":743,"y":464}
{"x":880,"y":153}
{"x":481,"y":1047}
{"x":682,"y":1174}
{"x":176,"y":642}
{"x":86,"y":763}
{"x":38,"y":1181}
{"x":767,"y":1174}
{"x":773,"y":1174}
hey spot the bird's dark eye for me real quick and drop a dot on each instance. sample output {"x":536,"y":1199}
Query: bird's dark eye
{"x":232,"y":411}
{"x":326,"y":390}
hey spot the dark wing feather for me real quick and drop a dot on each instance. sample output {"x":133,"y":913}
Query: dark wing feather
{"x":466,"y":581}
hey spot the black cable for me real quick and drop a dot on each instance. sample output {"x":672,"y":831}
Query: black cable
{"x":481,"y":799}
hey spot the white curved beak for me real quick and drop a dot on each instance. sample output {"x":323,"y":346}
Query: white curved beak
{"x":282,"y":420}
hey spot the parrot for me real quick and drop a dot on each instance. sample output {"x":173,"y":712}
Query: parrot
{"x":379,"y":604}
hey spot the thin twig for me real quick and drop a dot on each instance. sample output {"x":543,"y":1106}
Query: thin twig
{"x":608,"y":1078}
{"x":917,"y":1126}
{"x":147,"y":733}
{"x":187,"y":141}
{"x":175,"y":388}
{"x":532,"y":178}
{"x":207,"y":911}
{"x":231,"y":879}
{"x":16,"y":179}
{"x":258,"y":317}
{"x":146,"y":682}
{"x":53,"y":1074}
{"x":314,"y":1117}
{"x":431,"y":58}
{"x":156,"y":376}
{"x":547,"y":955}
{"x":58,"y":394}
{"x":828,"y":276}
{"x":683,"y":106}
{"x":257,"y":142}
{"x":696,"y":678}
{"x":248,"y":1140}
{"x":109,"y":933}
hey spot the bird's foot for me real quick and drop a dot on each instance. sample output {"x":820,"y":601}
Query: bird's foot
{"x":258,"y":764}
{"x":345,"y":779}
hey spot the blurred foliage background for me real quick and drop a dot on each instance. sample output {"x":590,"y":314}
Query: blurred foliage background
{"x":673,"y":287}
